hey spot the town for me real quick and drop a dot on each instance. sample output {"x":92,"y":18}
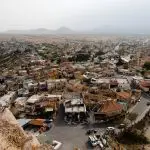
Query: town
{"x":75,"y":92}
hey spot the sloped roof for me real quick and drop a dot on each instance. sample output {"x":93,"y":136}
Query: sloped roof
{"x":33,"y":99}
{"x":124,"y":95}
{"x":110,"y":106}
{"x":37,"y":122}
{"x":126,"y":58}
{"x":145,"y":83}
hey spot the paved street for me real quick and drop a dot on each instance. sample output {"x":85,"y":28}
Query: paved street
{"x":71,"y":137}
{"x":142,"y":105}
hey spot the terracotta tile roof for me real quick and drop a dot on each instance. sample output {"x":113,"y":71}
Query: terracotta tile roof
{"x":145,"y":83}
{"x":49,"y":103}
{"x":124,"y":95}
{"x":111,"y":106}
{"x":37,"y":122}
{"x":144,"y":59}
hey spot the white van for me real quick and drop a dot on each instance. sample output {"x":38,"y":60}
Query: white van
{"x":100,"y":144}
{"x":93,"y":140}
{"x":110,"y":128}
{"x":104,"y":141}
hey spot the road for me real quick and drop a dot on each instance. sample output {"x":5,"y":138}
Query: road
{"x":141,"y":108}
{"x":142,"y":105}
{"x":71,"y":136}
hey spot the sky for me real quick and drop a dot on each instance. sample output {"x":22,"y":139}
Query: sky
{"x":75,"y":14}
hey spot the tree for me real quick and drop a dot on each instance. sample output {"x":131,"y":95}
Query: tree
{"x":121,"y":51}
{"x":132,"y":116}
{"x":82,"y":57}
{"x":99,"y":53}
{"x":132,"y":137}
{"x":147,"y":65}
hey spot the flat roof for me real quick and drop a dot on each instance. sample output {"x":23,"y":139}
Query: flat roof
{"x":48,"y":109}
{"x":33,"y":99}
{"x":6,"y":99}
{"x":52,"y":96}
{"x":21,"y":99}
{"x":76,"y":101}
{"x":22,"y":122}
{"x":137,"y":78}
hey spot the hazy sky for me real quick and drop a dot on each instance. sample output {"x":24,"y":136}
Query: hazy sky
{"x":75,"y":14}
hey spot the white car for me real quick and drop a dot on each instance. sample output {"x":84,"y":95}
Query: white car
{"x":100,"y":144}
{"x":139,"y":100}
{"x":93,"y":140}
{"x":104,"y":141}
{"x":110,"y":128}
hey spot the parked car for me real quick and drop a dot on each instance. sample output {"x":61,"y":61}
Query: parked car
{"x":148,"y":103}
{"x":93,"y":140}
{"x":139,"y":100}
{"x":104,"y":141}
{"x":90,"y":131}
{"x":100,"y":144}
{"x":110,"y":128}
{"x":121,"y":126}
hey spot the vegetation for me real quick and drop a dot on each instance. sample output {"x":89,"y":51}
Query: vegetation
{"x":147,"y":65}
{"x":132,"y":116}
{"x":43,"y":55}
{"x":99,"y":53}
{"x":85,"y":47}
{"x":132,"y":137}
{"x":121,"y":51}
{"x":82,"y":57}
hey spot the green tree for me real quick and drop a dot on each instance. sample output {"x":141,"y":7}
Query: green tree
{"x":132,"y":116}
{"x":147,"y":65}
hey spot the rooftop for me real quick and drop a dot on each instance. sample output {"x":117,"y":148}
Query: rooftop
{"x":145,"y":83}
{"x":33,"y":99}
{"x":110,"y":106}
{"x":6,"y":99}
{"x":75,"y":109}
{"x":124,"y":95}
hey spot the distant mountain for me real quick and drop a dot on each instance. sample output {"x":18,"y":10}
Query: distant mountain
{"x":15,"y":31}
{"x":61,"y":30}
{"x":64,"y":30}
{"x":39,"y":31}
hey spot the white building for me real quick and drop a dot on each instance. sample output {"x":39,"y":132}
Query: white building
{"x":33,"y":99}
{"x":7,"y":98}
{"x":74,"y":106}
